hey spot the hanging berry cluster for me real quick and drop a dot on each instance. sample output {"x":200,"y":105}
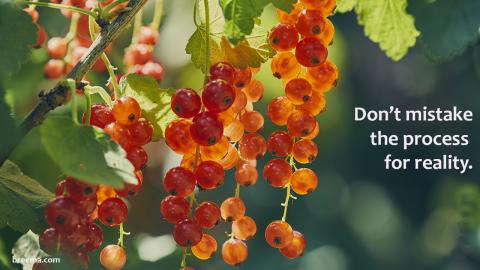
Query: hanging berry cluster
{"x":211,"y":136}
{"x":77,"y":205}
{"x":306,"y":73}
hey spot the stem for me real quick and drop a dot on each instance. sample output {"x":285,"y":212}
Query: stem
{"x":157,"y":15}
{"x":61,"y":6}
{"x":59,"y":95}
{"x":108,"y":64}
{"x":237,"y":191}
{"x":137,"y":24}
{"x":285,"y":204}
{"x":88,"y":112}
{"x":72,"y":86}
{"x":183,"y":264}
{"x":122,"y":233}
{"x":72,"y":32}
{"x":207,"y":43}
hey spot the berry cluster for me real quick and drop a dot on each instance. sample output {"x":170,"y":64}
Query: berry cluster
{"x":302,"y":65}
{"x":207,"y":134}
{"x":77,"y":205}
{"x":138,"y":57}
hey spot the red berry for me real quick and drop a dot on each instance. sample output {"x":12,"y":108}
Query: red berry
{"x":130,"y":190}
{"x":280,"y":144}
{"x":137,"y":156}
{"x":187,"y":233}
{"x":33,"y":13}
{"x":126,"y":110}
{"x":311,"y":52}
{"x":243,"y":77}
{"x":100,"y":116}
{"x":222,"y":71}
{"x":186,"y":103}
{"x":54,"y":69}
{"x":147,"y":35}
{"x":138,"y":54}
{"x":207,"y":214}
{"x":119,"y":133}
{"x":277,"y":172}
{"x":179,"y":181}
{"x":301,"y":123}
{"x":310,"y":23}
{"x":112,"y":212}
{"x":94,"y":236}
{"x":153,"y":69}
{"x":113,"y":257}
{"x":141,"y":132}
{"x":296,"y":248}
{"x":49,"y":240}
{"x":252,"y":146}
{"x":174,"y":208}
{"x":279,"y":234}
{"x":41,"y":37}
{"x":64,"y":214}
{"x":283,"y":37}
{"x":79,"y":190}
{"x":218,"y":96}
{"x":57,"y":47}
{"x":207,"y":128}
{"x":209,"y":174}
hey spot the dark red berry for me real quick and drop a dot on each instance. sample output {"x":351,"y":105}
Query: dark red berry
{"x":209,"y":174}
{"x":186,"y":103}
{"x":206,"y":129}
{"x":207,"y":214}
{"x":174,"y":208}
{"x":218,"y":96}
{"x":179,"y":181}
{"x":187,"y":233}
{"x":112,"y":212}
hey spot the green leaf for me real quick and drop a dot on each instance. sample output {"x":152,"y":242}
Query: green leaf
{"x":387,"y":23}
{"x":345,"y":5}
{"x":86,"y":152}
{"x":21,"y":200}
{"x":240,"y":15}
{"x":448,"y":27}
{"x":8,"y":139}
{"x":252,"y":51}
{"x":17,"y":35}
{"x":154,"y":101}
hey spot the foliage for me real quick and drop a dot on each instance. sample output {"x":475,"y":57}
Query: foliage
{"x":86,"y":152}
{"x":21,"y":200}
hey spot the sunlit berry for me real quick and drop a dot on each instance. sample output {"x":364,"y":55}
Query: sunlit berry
{"x":315,"y":105}
{"x":178,"y":137}
{"x":252,"y":121}
{"x":310,"y":23}
{"x":209,"y":175}
{"x":246,"y":175}
{"x":112,"y":212}
{"x":298,"y":91}
{"x":126,"y":110}
{"x":179,"y":181}
{"x":232,"y":209}
{"x":279,"y":234}
{"x":305,"y":151}
{"x":54,"y":69}
{"x":207,"y":214}
{"x":296,"y":248}
{"x":234,"y":252}
{"x":304,"y":181}
{"x":223,"y":71}
{"x":57,"y":47}
{"x":254,"y":90}
{"x":244,"y":228}
{"x":311,"y":52}
{"x":206,"y":129}
{"x":187,"y":233}
{"x":279,"y":109}
{"x":301,"y":123}
{"x":283,"y":37}
{"x":174,"y":208}
{"x":252,"y":146}
{"x":206,"y":248}
{"x":277,"y":172}
{"x":323,"y":77}
{"x":113,"y":257}
{"x":217,"y":151}
{"x":100,"y":116}
{"x":243,"y":76}
{"x":64,"y":214}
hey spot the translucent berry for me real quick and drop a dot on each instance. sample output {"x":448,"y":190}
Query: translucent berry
{"x":64,"y":214}
{"x":323,"y":77}
{"x":246,"y":175}
{"x":100,"y":116}
{"x":252,"y":121}
{"x":207,"y":129}
{"x":311,"y":52}
{"x":279,"y":110}
{"x":153,"y":69}
{"x":243,"y":76}
{"x":215,"y":152}
{"x":147,"y":35}
{"x":296,"y":248}
{"x":305,"y":151}
{"x":285,"y":66}
{"x":244,"y":228}
{"x":310,"y":23}
{"x":226,"y":117}
{"x":279,"y":234}
{"x":141,"y":132}
{"x":315,"y":105}
{"x":94,"y":236}
{"x":234,"y":252}
{"x":126,"y":110}
{"x":41,"y":37}
{"x":186,"y":103}
{"x":112,"y":212}
{"x":137,"y":54}
{"x":314,"y":133}
{"x":290,"y":18}
{"x":49,"y":239}
{"x":113,"y":257}
{"x":57,"y":47}
{"x":54,"y":69}
{"x":298,"y":91}
{"x":137,"y":156}
{"x":232,"y":209}
{"x":209,"y":175}
{"x":240,"y":101}
{"x":207,"y":214}
{"x":119,"y":133}
{"x":301,"y":123}
{"x":174,"y":208}
{"x":206,"y":248}
{"x":187,"y":233}
{"x":222,"y":71}
{"x":218,"y":96}
{"x":231,"y":159}
{"x":277,"y":172}
{"x":283,"y":37}
{"x":234,"y":131}
{"x":79,"y":190}
{"x":254,"y":90}
{"x":304,"y":181}
{"x":178,"y":137}
{"x":280,"y":144}
{"x":327,"y":34}
{"x":325,"y":6}
{"x":104,"y":192}
{"x":179,"y":181}
{"x":252,"y":146}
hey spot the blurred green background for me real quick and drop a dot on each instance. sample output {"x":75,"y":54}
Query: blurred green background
{"x":361,"y":217}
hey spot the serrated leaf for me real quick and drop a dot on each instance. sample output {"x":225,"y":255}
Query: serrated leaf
{"x":21,"y":200}
{"x":251,"y":51}
{"x":154,"y":101}
{"x":448,"y":27}
{"x":345,"y":5}
{"x":15,"y":45}
{"x":387,"y":23}
{"x":86,"y":152}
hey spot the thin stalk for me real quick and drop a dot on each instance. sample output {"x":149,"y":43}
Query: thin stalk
{"x":88,"y":105}
{"x":157,"y":14}
{"x":122,"y":233}
{"x":137,"y":24}
{"x":61,"y":6}
{"x":237,"y":191}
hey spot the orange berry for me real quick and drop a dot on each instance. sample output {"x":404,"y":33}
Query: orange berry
{"x":279,"y":234}
{"x":234,"y":252}
{"x":244,"y":228}
{"x":206,"y":248}
{"x":305,"y":151}
{"x":296,"y":247}
{"x":232,"y":209}
{"x":304,"y":181}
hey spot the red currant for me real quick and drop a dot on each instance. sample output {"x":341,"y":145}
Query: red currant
{"x":222,"y":71}
{"x":57,"y":47}
{"x":310,"y":23}
{"x":252,"y":146}
{"x":64,"y":214}
{"x":207,"y":128}
{"x":296,"y":248}
{"x":207,"y":214}
{"x":147,"y":35}
{"x":187,"y":233}
{"x":311,"y":52}
{"x":186,"y":103}
{"x":141,"y":132}
{"x":174,"y":208}
{"x":218,"y":96}
{"x":279,"y":234}
{"x":113,"y":257}
{"x":283,"y":37}
{"x":209,"y":174}
{"x":112,"y":212}
{"x":277,"y":172}
{"x":137,"y":156}
{"x":126,"y":110}
{"x":179,"y":181}
{"x":100,"y":116}
{"x":280,"y":144}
